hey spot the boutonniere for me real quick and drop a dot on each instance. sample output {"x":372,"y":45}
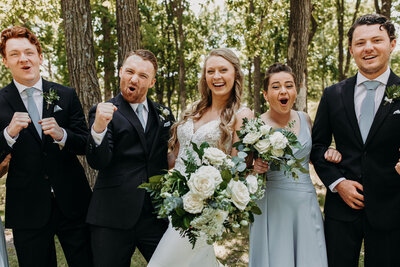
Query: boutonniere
{"x":392,"y":94}
{"x":164,"y":113}
{"x":50,"y":97}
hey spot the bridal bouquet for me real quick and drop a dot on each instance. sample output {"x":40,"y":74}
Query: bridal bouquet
{"x":272,"y":145}
{"x":213,"y":195}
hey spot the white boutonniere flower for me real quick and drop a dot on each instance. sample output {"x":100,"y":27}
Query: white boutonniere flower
{"x":392,"y":94}
{"x":164,"y":113}
{"x":50,"y":97}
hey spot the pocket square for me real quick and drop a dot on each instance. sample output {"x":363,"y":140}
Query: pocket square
{"x":57,"y":108}
{"x":168,"y":123}
{"x":396,"y":112}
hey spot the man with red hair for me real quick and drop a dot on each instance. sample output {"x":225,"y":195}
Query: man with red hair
{"x":43,"y":127}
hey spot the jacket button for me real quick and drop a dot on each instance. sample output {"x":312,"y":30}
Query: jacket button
{"x":46,"y":177}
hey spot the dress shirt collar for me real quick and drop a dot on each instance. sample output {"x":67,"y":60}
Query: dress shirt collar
{"x":21,"y":87}
{"x":383,"y":78}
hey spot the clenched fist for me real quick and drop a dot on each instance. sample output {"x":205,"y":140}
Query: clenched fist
{"x":104,"y":114}
{"x":50,"y":127}
{"x":19,"y":121}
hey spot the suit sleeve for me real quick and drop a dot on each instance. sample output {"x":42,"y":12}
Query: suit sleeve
{"x":77,"y":131}
{"x":99,"y":156}
{"x":322,"y":137}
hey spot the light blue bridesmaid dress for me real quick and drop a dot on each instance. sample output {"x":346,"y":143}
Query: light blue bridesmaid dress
{"x":3,"y":248}
{"x":289,"y":232}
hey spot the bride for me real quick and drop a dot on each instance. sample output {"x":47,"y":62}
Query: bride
{"x":213,"y":119}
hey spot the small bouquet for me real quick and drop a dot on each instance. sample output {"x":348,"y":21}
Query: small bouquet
{"x":213,"y":195}
{"x":392,"y":94}
{"x":272,"y":145}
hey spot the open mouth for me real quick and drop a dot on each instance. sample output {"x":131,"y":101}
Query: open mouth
{"x":218,"y":84}
{"x":369,"y":57}
{"x":283,"y":101}
{"x":132,"y":89}
{"x":26,"y":67}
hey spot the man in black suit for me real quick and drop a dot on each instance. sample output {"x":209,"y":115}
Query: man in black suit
{"x":363,"y":196}
{"x":127,"y":144}
{"x":47,"y":191}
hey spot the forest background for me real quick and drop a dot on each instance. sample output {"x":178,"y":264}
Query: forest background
{"x":85,"y":41}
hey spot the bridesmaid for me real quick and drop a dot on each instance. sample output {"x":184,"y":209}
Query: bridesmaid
{"x":289,"y":232}
{"x":3,"y":248}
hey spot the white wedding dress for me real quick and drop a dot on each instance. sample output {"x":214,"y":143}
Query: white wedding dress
{"x":174,"y":250}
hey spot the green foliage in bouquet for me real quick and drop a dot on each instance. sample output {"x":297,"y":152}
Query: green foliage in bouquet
{"x":272,"y":145}
{"x":214,"y":195}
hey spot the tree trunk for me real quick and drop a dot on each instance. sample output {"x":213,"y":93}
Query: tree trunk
{"x":107,"y":57}
{"x":385,"y":7}
{"x":257,"y":84}
{"x":340,"y":18}
{"x":80,"y":59}
{"x":348,"y":55}
{"x":299,"y":25}
{"x":128,"y":31}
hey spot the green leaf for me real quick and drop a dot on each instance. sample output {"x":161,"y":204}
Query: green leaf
{"x":226,"y":175}
{"x":156,"y":179}
{"x":186,"y":221}
{"x":180,"y":212}
{"x":256,"y":210}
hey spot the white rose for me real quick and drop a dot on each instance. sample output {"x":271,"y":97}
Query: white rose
{"x":262,"y":146}
{"x":252,"y":183}
{"x":277,"y":152}
{"x":192,"y":203}
{"x":278,"y":140}
{"x":251,"y":138}
{"x":214,"y":155}
{"x":166,"y":112}
{"x":240,"y":194}
{"x":204,"y":181}
{"x":265,"y":129}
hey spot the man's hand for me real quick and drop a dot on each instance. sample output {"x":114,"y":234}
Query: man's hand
{"x":397,"y":167}
{"x":347,"y":190}
{"x":260,"y":166}
{"x":332,"y":155}
{"x":104,"y":114}
{"x":4,"y":165}
{"x":50,"y":127}
{"x":19,"y":121}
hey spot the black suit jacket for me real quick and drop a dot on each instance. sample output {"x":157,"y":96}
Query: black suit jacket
{"x":371,"y":164}
{"x":38,"y":164}
{"x":125,"y":159}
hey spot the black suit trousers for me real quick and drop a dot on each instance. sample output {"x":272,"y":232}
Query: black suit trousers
{"x":344,"y":240}
{"x":36,"y":248}
{"x":115,"y":247}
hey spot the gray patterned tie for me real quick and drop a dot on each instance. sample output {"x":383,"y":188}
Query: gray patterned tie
{"x":368,"y":108}
{"x":139,"y":111}
{"x":33,"y":111}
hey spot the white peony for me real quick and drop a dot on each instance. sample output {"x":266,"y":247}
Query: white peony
{"x":252,"y":183}
{"x":240,"y":194}
{"x":192,"y":203}
{"x":214,"y":155}
{"x":262,"y":146}
{"x":278,"y":140}
{"x":277,"y":152}
{"x":252,"y":137}
{"x":204,"y":181}
{"x":265,"y":129}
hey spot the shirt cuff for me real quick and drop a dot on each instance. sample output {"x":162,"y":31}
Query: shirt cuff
{"x":61,"y":143}
{"x":10,"y":141}
{"x":98,"y":137}
{"x":335,"y":183}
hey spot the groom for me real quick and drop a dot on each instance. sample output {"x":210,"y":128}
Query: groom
{"x":127,"y":144}
{"x":363,"y":199}
{"x":47,"y":191}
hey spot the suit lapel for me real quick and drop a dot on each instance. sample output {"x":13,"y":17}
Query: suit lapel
{"x":14,"y":99}
{"x":348,"y":100}
{"x":158,"y":122}
{"x":383,"y":109}
{"x":47,"y":111}
{"x":126,"y":110}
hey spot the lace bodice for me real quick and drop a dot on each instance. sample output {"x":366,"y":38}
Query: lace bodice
{"x":208,"y":132}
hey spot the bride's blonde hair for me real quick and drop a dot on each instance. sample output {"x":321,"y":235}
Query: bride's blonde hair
{"x":198,"y":108}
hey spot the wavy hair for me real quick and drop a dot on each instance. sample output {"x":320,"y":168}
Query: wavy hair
{"x":198,"y":108}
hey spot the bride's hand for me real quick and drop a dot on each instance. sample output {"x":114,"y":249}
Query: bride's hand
{"x":260,"y":166}
{"x":332,"y":155}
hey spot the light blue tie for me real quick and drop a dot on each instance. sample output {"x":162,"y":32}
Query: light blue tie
{"x":139,"y":111}
{"x":368,"y":108}
{"x":33,"y":111}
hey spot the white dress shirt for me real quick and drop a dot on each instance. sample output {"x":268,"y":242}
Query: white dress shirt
{"x":98,"y":137}
{"x":360,"y":92}
{"x":38,"y":98}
